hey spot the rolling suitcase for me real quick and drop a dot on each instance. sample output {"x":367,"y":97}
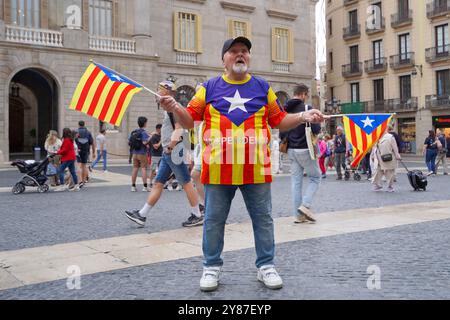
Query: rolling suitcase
{"x":417,"y":179}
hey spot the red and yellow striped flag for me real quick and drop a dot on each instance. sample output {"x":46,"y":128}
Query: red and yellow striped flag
{"x":363,"y":131}
{"x":104,"y":94}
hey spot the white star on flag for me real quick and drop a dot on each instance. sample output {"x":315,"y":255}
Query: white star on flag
{"x":115,"y":76}
{"x":368,"y":122}
{"x":237,"y":102}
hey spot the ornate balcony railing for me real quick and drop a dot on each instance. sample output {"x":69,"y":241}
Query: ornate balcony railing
{"x":402,"y":60}
{"x":352,"y":69}
{"x":375,"y":65}
{"x":189,"y":58}
{"x":437,"y":101}
{"x":352,"y":32}
{"x":280,"y":67}
{"x":438,"y":8}
{"x":399,"y":105}
{"x":436,"y":54}
{"x":401,"y":19}
{"x":116,"y":45}
{"x":40,"y":37}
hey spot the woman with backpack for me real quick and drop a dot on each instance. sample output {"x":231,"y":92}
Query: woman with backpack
{"x":68,"y":158}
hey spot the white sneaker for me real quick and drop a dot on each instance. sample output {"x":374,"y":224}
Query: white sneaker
{"x":270,"y":277}
{"x":133,"y":189}
{"x":144,"y":189}
{"x":76,"y":188}
{"x":210,"y":279}
{"x":61,"y":188}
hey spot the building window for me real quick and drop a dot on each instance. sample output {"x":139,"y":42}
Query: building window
{"x":26,"y":13}
{"x":405,"y":88}
{"x":403,"y":8}
{"x":282,"y":45}
{"x":330,"y":27}
{"x":101,"y":18}
{"x":331,"y":60}
{"x":187,"y":33}
{"x":354,"y":56}
{"x":404,"y":46}
{"x":378,"y":91}
{"x":238,"y":28}
{"x":354,"y":88}
{"x":443,"y":82}
{"x":353,"y":20}
{"x":442,"y":41}
{"x":378,"y":52}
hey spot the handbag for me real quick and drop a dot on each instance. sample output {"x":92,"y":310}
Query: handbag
{"x":387,"y":157}
{"x":51,"y":170}
{"x":312,"y":140}
{"x":284,"y":145}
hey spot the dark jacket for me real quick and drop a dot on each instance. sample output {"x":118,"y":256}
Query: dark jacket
{"x":297,"y":137}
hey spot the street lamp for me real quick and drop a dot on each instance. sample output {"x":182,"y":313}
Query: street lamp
{"x":15,"y":90}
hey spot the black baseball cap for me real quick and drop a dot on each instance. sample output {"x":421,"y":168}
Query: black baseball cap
{"x":230,"y":42}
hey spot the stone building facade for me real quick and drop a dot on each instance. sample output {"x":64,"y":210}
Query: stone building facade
{"x":46,"y":45}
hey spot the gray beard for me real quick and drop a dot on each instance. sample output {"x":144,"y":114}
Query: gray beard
{"x":240,"y":68}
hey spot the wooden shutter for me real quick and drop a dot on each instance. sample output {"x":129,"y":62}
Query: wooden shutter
{"x":291,"y":46}
{"x":44,"y":13}
{"x":7,"y":11}
{"x":175,"y":31}
{"x":199,"y":33}
{"x":274,"y":45}
{"x":230,"y":28}
{"x":115,"y":13}
{"x":85,"y":10}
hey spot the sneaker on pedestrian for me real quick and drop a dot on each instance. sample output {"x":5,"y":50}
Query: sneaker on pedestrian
{"x":105,"y":171}
{"x":170,"y":187}
{"x":146,"y":189}
{"x":390,"y":189}
{"x":307,"y":213}
{"x":339,"y":178}
{"x":61,"y":188}
{"x":301,"y":219}
{"x":136,"y":217}
{"x":179,"y":187}
{"x":270,"y":277}
{"x":324,"y":176}
{"x":377,"y":188}
{"x":133,"y":189}
{"x":193,"y":221}
{"x":75,"y":188}
{"x":210,"y":279}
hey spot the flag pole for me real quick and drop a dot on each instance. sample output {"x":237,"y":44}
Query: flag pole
{"x":143,"y":87}
{"x":345,"y":115}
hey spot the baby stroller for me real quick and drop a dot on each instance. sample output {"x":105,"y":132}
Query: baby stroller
{"x":349,"y":170}
{"x":35,"y":175}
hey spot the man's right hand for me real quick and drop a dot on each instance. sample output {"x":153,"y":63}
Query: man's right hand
{"x":313,"y":116}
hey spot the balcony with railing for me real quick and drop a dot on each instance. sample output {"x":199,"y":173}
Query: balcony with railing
{"x":375,"y":65}
{"x":437,"y":54}
{"x":189,"y":58}
{"x":374,"y":26}
{"x":280,"y":67}
{"x":352,"y":32}
{"x":403,"y":60}
{"x":437,"y":101}
{"x":116,"y":45}
{"x":41,"y":37}
{"x":378,"y":106}
{"x":436,"y":9}
{"x":403,"y":105}
{"x":352,"y":70}
{"x":401,"y":19}
{"x":350,"y":2}
{"x":353,"y":107}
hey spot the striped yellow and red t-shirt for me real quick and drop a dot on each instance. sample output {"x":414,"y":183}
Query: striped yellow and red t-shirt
{"x":236,"y":134}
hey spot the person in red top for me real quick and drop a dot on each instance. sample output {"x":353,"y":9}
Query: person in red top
{"x":68,"y":158}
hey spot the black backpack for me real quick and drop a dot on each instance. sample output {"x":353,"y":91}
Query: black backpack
{"x":136,"y":140}
{"x":84,"y":141}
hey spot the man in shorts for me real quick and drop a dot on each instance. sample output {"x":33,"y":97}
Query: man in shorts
{"x":139,"y":140}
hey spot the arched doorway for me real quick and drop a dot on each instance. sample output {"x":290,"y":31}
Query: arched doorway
{"x":33,"y":111}
{"x":184,"y":95}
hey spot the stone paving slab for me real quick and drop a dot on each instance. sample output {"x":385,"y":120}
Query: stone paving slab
{"x":36,"y":265}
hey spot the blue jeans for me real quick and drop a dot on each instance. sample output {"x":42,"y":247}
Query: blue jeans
{"x":71,"y":166}
{"x":100,"y":155}
{"x":258,"y":200}
{"x":166,"y":167}
{"x":301,"y":162}
{"x":431,"y":160}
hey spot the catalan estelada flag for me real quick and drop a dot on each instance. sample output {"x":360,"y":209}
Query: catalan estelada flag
{"x":104,"y":94}
{"x":363,"y":131}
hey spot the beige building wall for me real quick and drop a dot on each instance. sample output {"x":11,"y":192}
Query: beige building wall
{"x":149,"y":24}
{"x":422,"y":36}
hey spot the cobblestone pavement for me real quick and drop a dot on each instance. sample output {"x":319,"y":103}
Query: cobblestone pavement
{"x":34,"y":220}
{"x":413,"y":260}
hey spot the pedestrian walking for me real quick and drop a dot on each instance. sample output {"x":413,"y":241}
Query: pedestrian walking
{"x":229,"y":105}
{"x":52,"y":146}
{"x":430,"y":151}
{"x":138,"y":141}
{"x":340,"y":151}
{"x":301,"y":162}
{"x":175,"y":142}
{"x":102,"y":152}
{"x":85,"y":143}
{"x":68,"y":158}
{"x":386,"y":155}
{"x":324,"y":153}
{"x":441,"y":159}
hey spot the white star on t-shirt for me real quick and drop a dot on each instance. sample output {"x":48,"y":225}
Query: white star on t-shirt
{"x":368,"y":122}
{"x":237,"y":102}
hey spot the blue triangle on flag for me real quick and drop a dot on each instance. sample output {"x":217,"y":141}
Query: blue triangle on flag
{"x":114,"y":76}
{"x":369,"y":122}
